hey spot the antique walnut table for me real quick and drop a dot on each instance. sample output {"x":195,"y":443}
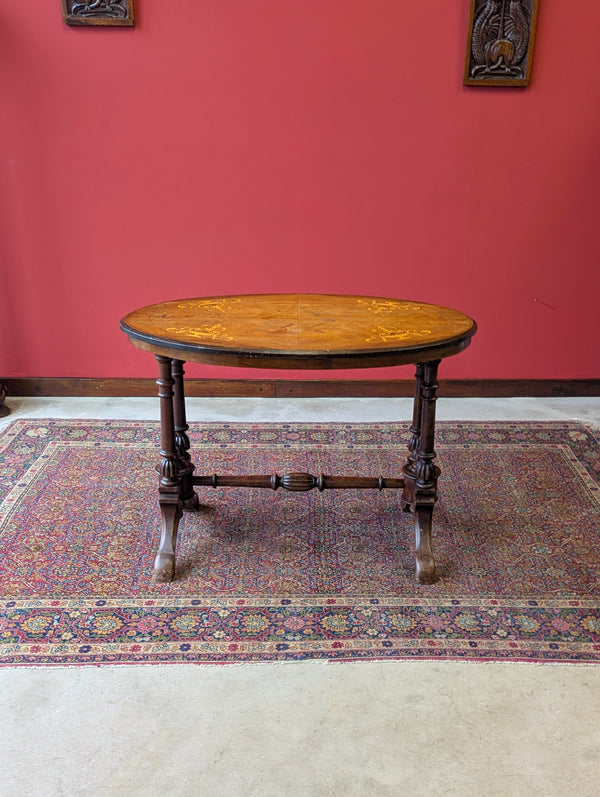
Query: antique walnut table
{"x":297,"y":331}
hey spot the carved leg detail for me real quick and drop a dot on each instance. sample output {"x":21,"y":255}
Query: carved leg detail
{"x":420,"y":483}
{"x":189,"y":499}
{"x":425,"y":471}
{"x":168,"y":469}
{"x":425,"y":564}
{"x":415,"y":429}
{"x":164,"y":564}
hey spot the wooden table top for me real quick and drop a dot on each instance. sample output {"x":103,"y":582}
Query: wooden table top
{"x":299,"y":331}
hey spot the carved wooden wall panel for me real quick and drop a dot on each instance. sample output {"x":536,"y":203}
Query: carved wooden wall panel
{"x":500,"y":42}
{"x":98,"y":12}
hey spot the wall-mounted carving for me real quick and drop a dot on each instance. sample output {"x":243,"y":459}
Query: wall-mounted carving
{"x":98,"y":12}
{"x":500,"y":42}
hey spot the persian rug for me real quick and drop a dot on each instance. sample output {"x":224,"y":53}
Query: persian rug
{"x":265,"y":576}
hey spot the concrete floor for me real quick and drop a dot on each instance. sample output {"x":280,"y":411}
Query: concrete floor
{"x":307,"y":728}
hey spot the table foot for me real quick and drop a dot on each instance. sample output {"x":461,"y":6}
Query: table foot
{"x":425,"y":563}
{"x":164,"y":568}
{"x":191,"y":504}
{"x":164,"y":564}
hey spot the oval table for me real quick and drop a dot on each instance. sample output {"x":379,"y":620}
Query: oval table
{"x":297,"y":331}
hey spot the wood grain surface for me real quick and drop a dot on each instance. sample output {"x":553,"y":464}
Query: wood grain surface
{"x":299,"y":330}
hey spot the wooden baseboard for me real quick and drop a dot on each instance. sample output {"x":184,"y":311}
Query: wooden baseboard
{"x":286,"y":388}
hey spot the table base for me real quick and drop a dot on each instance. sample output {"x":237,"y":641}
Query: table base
{"x":177,"y":481}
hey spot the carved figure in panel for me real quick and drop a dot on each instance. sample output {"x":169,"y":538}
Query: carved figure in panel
{"x":500,"y":42}
{"x":98,"y":12}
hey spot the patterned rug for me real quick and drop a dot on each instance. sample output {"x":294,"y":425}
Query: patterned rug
{"x":266,"y":576}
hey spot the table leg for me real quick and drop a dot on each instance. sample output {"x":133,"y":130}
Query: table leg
{"x":415,"y":429}
{"x":169,"y":486}
{"x":420,"y":490}
{"x":189,"y":499}
{"x":4,"y":410}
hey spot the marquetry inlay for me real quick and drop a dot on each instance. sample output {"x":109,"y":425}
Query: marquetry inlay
{"x":208,"y":332}
{"x":295,"y":326}
{"x":381,"y":334}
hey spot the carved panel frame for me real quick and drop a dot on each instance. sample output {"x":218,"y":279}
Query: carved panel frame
{"x":98,"y":12}
{"x":500,"y":42}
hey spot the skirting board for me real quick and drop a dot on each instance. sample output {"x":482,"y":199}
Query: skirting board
{"x":286,"y":388}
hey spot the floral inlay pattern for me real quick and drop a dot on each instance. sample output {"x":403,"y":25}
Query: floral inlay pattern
{"x":214,"y":331}
{"x":388,"y":306}
{"x":383,"y":334}
{"x":220,"y":305}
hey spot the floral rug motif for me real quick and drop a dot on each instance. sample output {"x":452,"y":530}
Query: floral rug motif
{"x":265,"y":576}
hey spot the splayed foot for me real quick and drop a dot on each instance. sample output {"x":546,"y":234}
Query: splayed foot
{"x":164,"y":568}
{"x":425,"y":569}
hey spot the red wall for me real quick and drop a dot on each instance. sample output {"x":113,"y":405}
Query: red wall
{"x":295,"y":145}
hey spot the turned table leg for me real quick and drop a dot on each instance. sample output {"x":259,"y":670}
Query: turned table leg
{"x":4,"y":409}
{"x":421,"y":475}
{"x":189,"y":499}
{"x":169,"y":483}
{"x":415,"y":429}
